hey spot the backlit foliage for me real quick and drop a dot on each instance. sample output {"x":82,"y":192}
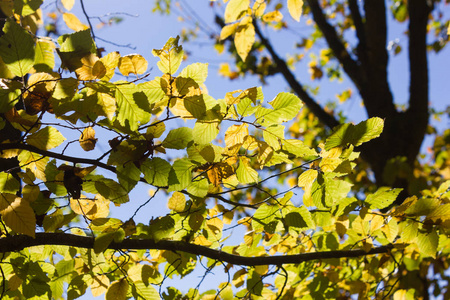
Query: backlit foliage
{"x":238,"y":162}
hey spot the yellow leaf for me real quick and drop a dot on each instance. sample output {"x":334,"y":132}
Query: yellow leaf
{"x":87,"y":139}
{"x":307,"y":178}
{"x":235,"y":10}
{"x":17,"y":214}
{"x":92,"y":68}
{"x":68,"y":4}
{"x":235,"y":135}
{"x":228,"y":30}
{"x":82,"y":207}
{"x":133,"y":63}
{"x":218,"y":172}
{"x":244,"y":39}
{"x":111,"y":61}
{"x":177,"y":202}
{"x":273,"y":16}
{"x":259,"y":7}
{"x":376,"y":223}
{"x":100,"y":285}
{"x":73,"y":22}
{"x":117,"y":290}
{"x":202,"y":241}
{"x":295,"y":9}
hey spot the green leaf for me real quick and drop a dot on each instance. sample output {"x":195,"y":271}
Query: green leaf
{"x":128,"y":176}
{"x":152,"y":89}
{"x":198,"y":188}
{"x":355,"y":134}
{"x":205,"y":131}
{"x":235,"y":9}
{"x":197,"y":71}
{"x":245,"y":173}
{"x":162,"y":228}
{"x":442,"y":213}
{"x":427,"y":243}
{"x":112,"y":190}
{"x":9,"y":97}
{"x":75,"y":46}
{"x":266,"y":218}
{"x":254,"y":283}
{"x":142,"y":291}
{"x":181,"y":175}
{"x":17,"y":48}
{"x":46,"y":138}
{"x":65,"y":88}
{"x":273,"y":135}
{"x":382,"y":198}
{"x":299,"y":218}
{"x":178,"y":138}
{"x":44,"y":60}
{"x":102,"y":241}
{"x":298,"y":148}
{"x":327,"y":192}
{"x":17,"y":214}
{"x":295,"y":9}
{"x":26,"y":7}
{"x":170,"y":56}
{"x":8,"y":184}
{"x":285,"y":107}
{"x":156,"y":171}
{"x":117,"y":290}
{"x":177,"y":202}
{"x":132,"y":105}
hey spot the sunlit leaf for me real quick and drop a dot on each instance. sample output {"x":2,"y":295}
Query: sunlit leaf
{"x":17,"y":48}
{"x":197,"y":71}
{"x":382,"y":198}
{"x":177,"y":202}
{"x":156,"y":171}
{"x":133,"y":63}
{"x":87,"y":139}
{"x":355,"y":134}
{"x":295,"y":8}
{"x":178,"y":138}
{"x":132,"y":105}
{"x":46,"y":138}
{"x":73,"y":22}
{"x":170,"y":56}
{"x":245,"y":173}
{"x":244,"y":39}
{"x":235,"y":10}
{"x":17,"y":214}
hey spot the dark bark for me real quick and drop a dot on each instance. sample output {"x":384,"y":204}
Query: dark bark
{"x":19,"y":242}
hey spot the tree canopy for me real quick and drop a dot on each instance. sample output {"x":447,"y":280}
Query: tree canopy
{"x":283,"y":197}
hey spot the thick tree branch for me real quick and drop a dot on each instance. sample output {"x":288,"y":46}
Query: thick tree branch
{"x":34,"y":149}
{"x":315,"y":108}
{"x":360,"y":32}
{"x":351,"y":67}
{"x":377,"y":97}
{"x":19,"y":242}
{"x":417,"y":113}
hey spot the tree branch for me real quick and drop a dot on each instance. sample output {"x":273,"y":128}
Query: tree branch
{"x":327,"y":119}
{"x":417,"y":112}
{"x":360,"y":32}
{"x":350,"y":66}
{"x":34,"y":149}
{"x":377,"y":97}
{"x":20,"y":242}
